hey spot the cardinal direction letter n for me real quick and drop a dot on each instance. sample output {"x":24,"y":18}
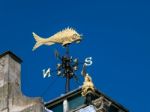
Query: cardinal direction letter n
{"x":46,"y":73}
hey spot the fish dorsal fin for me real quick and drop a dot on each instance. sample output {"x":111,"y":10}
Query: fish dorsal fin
{"x":67,"y":32}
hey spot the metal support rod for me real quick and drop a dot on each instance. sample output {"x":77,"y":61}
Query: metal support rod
{"x":67,"y":74}
{"x":67,"y":83}
{"x":67,"y":50}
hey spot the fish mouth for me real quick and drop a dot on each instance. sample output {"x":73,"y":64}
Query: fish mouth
{"x":78,"y":41}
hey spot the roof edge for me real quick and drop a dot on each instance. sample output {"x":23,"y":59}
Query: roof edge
{"x":78,"y":90}
{"x":12,"y":55}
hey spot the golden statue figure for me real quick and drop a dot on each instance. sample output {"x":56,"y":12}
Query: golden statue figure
{"x":63,"y":37}
{"x":88,"y":86}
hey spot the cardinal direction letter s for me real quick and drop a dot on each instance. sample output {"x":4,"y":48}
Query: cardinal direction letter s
{"x":88,"y":61}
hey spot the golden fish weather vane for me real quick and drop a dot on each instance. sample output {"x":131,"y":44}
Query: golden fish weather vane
{"x":64,"y":37}
{"x":68,"y":66}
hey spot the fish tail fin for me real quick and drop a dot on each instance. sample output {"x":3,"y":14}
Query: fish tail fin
{"x":39,"y":41}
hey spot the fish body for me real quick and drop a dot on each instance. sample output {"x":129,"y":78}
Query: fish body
{"x":64,"y":37}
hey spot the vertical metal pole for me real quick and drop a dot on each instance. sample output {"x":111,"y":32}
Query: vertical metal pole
{"x":67,"y":83}
{"x":67,"y":50}
{"x":67,"y":74}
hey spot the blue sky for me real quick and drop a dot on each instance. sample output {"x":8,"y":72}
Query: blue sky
{"x":116,"y":35}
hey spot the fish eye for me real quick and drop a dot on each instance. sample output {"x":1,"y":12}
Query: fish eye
{"x":74,"y":38}
{"x":75,"y":35}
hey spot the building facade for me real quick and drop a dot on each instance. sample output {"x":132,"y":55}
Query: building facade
{"x":11,"y":97}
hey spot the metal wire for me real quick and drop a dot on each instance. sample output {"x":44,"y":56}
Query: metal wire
{"x":49,"y":86}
